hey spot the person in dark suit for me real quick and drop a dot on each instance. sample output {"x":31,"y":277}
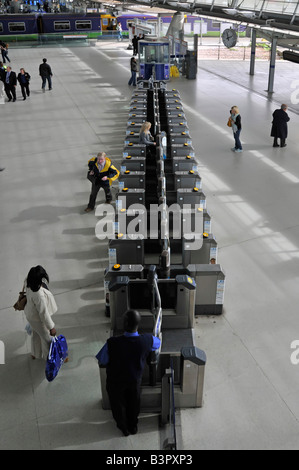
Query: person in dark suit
{"x":23,"y":79}
{"x":10,"y":83}
{"x":124,"y":357}
{"x":279,"y":126}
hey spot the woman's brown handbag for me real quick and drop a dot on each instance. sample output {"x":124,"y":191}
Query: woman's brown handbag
{"x":21,"y":302}
{"x":229,"y":122}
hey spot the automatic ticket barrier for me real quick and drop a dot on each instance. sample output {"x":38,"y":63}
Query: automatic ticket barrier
{"x":129,"y":196}
{"x":136,"y":121}
{"x":133,"y":163}
{"x":193,"y":196}
{"x":124,"y":250}
{"x":132,"y":149}
{"x":140,"y":114}
{"x":183,"y":163}
{"x":178,"y":127}
{"x":175,"y":303}
{"x":182,"y":150}
{"x":182,"y":138}
{"x":210,"y":288}
{"x":175,"y":118}
{"x":187,"y":179}
{"x":131,"y":179}
{"x":199,"y":249}
{"x":132,"y":137}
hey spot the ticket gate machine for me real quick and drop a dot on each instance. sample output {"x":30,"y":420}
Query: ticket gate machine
{"x":182,"y":150}
{"x":183,"y":163}
{"x":133,"y":164}
{"x":131,"y":179}
{"x":187,"y":179}
{"x":173,"y":317}
{"x":210,"y":288}
{"x":129,"y":196}
{"x":137,"y":150}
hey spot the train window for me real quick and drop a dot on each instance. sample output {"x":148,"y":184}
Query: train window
{"x":105,"y":21}
{"x":16,"y":27}
{"x":1,"y":27}
{"x":85,"y":24}
{"x":62,"y":25}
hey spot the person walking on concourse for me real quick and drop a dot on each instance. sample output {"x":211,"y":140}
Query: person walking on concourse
{"x":124,"y":358}
{"x":45,"y":72}
{"x":101,"y":174}
{"x":10,"y":83}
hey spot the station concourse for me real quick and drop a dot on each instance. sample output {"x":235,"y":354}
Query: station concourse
{"x":251,"y":385}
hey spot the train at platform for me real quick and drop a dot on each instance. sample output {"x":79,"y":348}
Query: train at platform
{"x":91,"y":25}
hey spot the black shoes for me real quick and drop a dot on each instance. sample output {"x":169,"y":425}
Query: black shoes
{"x":133,"y":430}
{"x":124,"y":431}
{"x":284,"y":145}
{"x":275,"y":145}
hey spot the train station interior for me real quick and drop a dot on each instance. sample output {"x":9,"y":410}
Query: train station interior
{"x":252,"y":371}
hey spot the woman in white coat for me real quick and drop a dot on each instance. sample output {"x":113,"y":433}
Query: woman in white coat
{"x":39,"y":309}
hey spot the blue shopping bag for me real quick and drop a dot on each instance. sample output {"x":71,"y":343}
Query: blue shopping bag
{"x":57,"y":355}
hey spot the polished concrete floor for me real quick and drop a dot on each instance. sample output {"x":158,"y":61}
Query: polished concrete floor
{"x":251,"y":387}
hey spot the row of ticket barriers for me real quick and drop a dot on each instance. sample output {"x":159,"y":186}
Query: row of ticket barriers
{"x":163,"y":259}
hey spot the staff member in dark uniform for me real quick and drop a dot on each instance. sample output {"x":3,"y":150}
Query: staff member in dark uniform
{"x":101,"y":174}
{"x":125,"y":356}
{"x":280,"y":126}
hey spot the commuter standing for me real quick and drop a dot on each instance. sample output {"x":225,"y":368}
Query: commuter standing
{"x":135,"y":45}
{"x":119,"y":30}
{"x":124,"y":357}
{"x":280,"y":126}
{"x":10,"y":83}
{"x":39,"y":309}
{"x":23,"y":79}
{"x":46,"y":74}
{"x":235,"y":118}
{"x":133,"y":79}
{"x":101,"y":174}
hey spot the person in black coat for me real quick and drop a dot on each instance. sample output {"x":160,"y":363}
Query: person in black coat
{"x":280,"y":126}
{"x":10,"y":83}
{"x":45,"y":72}
{"x":135,"y":45}
{"x":23,"y":79}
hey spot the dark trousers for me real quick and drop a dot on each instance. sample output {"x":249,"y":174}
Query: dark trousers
{"x":282,"y":142}
{"x":4,"y":56}
{"x":10,"y":91}
{"x":132,"y":80}
{"x":94,"y":192}
{"x":25,"y":89}
{"x":125,"y":404}
{"x":44,"y":81}
{"x":238,"y":144}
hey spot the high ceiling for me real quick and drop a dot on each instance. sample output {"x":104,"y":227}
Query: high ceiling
{"x":274,"y":18}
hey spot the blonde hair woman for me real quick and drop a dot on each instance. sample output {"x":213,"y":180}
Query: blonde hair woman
{"x":145,"y":136}
{"x":237,"y":127}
